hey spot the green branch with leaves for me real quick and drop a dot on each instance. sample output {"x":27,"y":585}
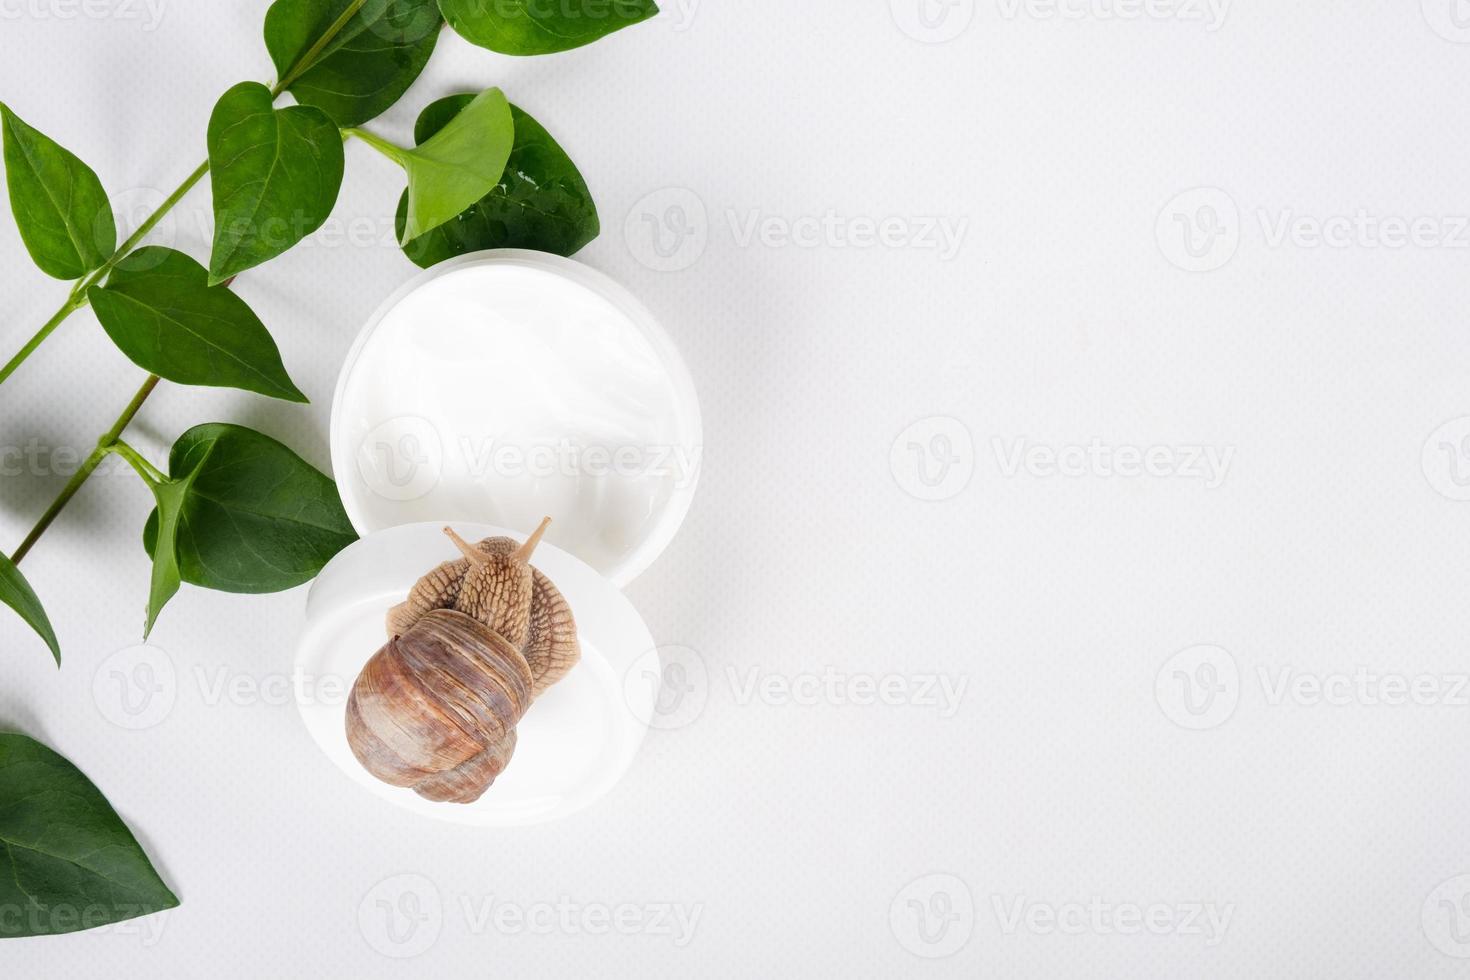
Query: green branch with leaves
{"x":236,"y":510}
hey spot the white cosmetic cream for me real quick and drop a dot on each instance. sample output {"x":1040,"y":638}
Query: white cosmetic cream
{"x":509,"y":386}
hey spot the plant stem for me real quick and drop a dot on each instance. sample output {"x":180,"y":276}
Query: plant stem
{"x":151,"y":474}
{"x":389,"y":150}
{"x":304,"y":63}
{"x":149,"y":224}
{"x":73,"y":303}
{"x":104,"y":446}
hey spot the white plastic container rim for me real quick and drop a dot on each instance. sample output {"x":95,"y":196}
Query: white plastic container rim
{"x":688,"y":421}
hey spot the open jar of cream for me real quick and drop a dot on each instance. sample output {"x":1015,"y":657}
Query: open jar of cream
{"x":490,"y":392}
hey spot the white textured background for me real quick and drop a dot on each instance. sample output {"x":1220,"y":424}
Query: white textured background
{"x":834,"y":839}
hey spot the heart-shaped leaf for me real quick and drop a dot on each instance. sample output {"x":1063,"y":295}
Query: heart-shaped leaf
{"x":539,"y":27}
{"x":60,"y":207}
{"x":160,"y":311}
{"x":459,"y":164}
{"x":541,"y":202}
{"x":368,"y":65}
{"x":17,"y":593}
{"x":255,"y":518}
{"x":275,"y":172}
{"x":67,"y":861}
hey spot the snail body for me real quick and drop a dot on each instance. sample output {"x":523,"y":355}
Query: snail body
{"x":475,"y":643}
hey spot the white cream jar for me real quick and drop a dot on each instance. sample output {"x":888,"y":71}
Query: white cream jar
{"x":488,"y":393}
{"x":508,"y":385}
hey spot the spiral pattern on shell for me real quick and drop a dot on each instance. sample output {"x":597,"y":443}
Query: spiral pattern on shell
{"x":475,"y":643}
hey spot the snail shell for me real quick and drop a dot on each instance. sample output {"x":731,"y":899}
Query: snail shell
{"x":477,"y":640}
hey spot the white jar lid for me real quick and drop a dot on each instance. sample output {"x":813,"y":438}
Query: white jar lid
{"x":509,"y":385}
{"x":573,"y":745}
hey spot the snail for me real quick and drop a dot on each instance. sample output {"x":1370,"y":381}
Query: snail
{"x":475,"y":643}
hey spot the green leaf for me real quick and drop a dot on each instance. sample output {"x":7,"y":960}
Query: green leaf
{"x":541,"y":202}
{"x":256,"y":517}
{"x":164,"y":584}
{"x":17,"y":593}
{"x":459,"y":164}
{"x":67,"y":861}
{"x":60,"y":207}
{"x":539,"y":27}
{"x":364,"y":69}
{"x":160,"y":310}
{"x":275,"y":172}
